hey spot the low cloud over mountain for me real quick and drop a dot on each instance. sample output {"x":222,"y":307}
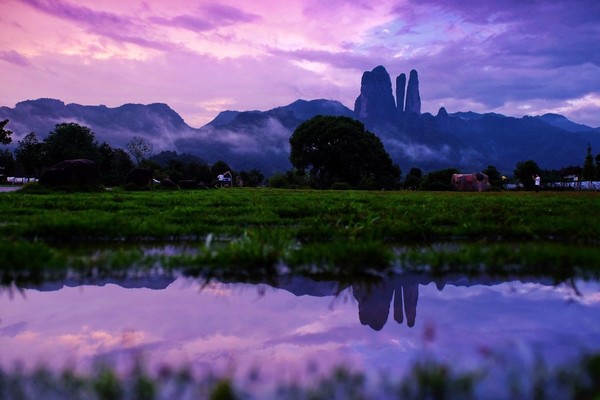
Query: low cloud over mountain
{"x":116,"y":126}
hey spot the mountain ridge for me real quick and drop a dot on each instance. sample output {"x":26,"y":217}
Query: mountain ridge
{"x":465,"y":140}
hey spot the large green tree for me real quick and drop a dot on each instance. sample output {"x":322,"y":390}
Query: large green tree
{"x":198,"y":171}
{"x":114,"y":165}
{"x":525,"y":171}
{"x":7,"y":162}
{"x":494,"y":176}
{"x":413,"y":179}
{"x":439,"y":179}
{"x":339,"y":149}
{"x":219,"y":168}
{"x":70,"y":141}
{"x":29,"y":154}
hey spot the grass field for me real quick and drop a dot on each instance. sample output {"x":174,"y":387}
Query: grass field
{"x":336,"y":232}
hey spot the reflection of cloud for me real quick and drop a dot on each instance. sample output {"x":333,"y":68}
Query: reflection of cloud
{"x":12,"y":330}
{"x":89,"y":341}
{"x":217,"y":289}
{"x":584,"y":293}
{"x":233,"y":328}
{"x":27,"y":336}
{"x":311,"y":328}
{"x":590,"y":299}
{"x":218,"y":343}
{"x":316,"y":338}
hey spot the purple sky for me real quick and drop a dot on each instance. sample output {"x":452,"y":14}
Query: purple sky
{"x":516,"y":57}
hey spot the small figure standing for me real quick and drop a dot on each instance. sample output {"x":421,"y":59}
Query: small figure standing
{"x":537,"y":180}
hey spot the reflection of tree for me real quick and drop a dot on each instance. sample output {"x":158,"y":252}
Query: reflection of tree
{"x":374,"y":301}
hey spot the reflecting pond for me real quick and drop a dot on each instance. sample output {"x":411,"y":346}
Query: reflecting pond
{"x":296,"y":329}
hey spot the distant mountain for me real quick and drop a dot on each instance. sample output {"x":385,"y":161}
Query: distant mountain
{"x":563,"y":123}
{"x":224,"y":118}
{"x":116,"y":126}
{"x":465,"y":140}
{"x":256,"y":139}
{"x":468,"y":141}
{"x":244,"y":139}
{"x":472,"y":116}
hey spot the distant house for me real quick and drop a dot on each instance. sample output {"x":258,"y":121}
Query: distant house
{"x":471,"y":182}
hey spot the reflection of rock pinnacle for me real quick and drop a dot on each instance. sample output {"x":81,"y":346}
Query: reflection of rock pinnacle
{"x":373,"y":304}
{"x":411,"y":295}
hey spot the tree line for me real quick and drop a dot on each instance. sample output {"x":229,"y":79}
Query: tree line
{"x":338,"y":153}
{"x":72,"y":141}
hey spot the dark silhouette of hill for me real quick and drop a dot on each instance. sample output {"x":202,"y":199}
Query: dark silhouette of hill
{"x":116,"y":126}
{"x":563,"y":123}
{"x":467,"y":140}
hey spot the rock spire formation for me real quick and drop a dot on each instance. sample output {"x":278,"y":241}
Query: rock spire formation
{"x":376,"y":104}
{"x":400,"y":88}
{"x":413,"y":99}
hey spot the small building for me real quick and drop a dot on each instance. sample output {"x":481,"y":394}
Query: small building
{"x":471,"y":182}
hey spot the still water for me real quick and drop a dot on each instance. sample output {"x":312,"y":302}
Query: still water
{"x":297,"y":329}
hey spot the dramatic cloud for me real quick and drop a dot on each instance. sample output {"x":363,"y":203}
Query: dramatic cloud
{"x":512,"y":57}
{"x":216,"y":15}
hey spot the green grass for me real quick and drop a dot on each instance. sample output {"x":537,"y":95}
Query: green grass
{"x":255,"y":231}
{"x":308,"y":216}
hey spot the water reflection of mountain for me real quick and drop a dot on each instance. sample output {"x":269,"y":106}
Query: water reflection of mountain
{"x":374,"y":301}
{"x":402,"y":291}
{"x":156,"y":282}
{"x":374,"y":298}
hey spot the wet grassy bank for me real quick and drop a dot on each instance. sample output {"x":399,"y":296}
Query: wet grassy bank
{"x":256,"y":231}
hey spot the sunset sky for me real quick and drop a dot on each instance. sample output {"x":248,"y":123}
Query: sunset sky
{"x":516,"y":57}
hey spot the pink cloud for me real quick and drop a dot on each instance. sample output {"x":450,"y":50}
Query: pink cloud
{"x":223,"y":14}
{"x":15,"y":58}
{"x":81,"y":14}
{"x":212,"y":16}
{"x":120,"y":28}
